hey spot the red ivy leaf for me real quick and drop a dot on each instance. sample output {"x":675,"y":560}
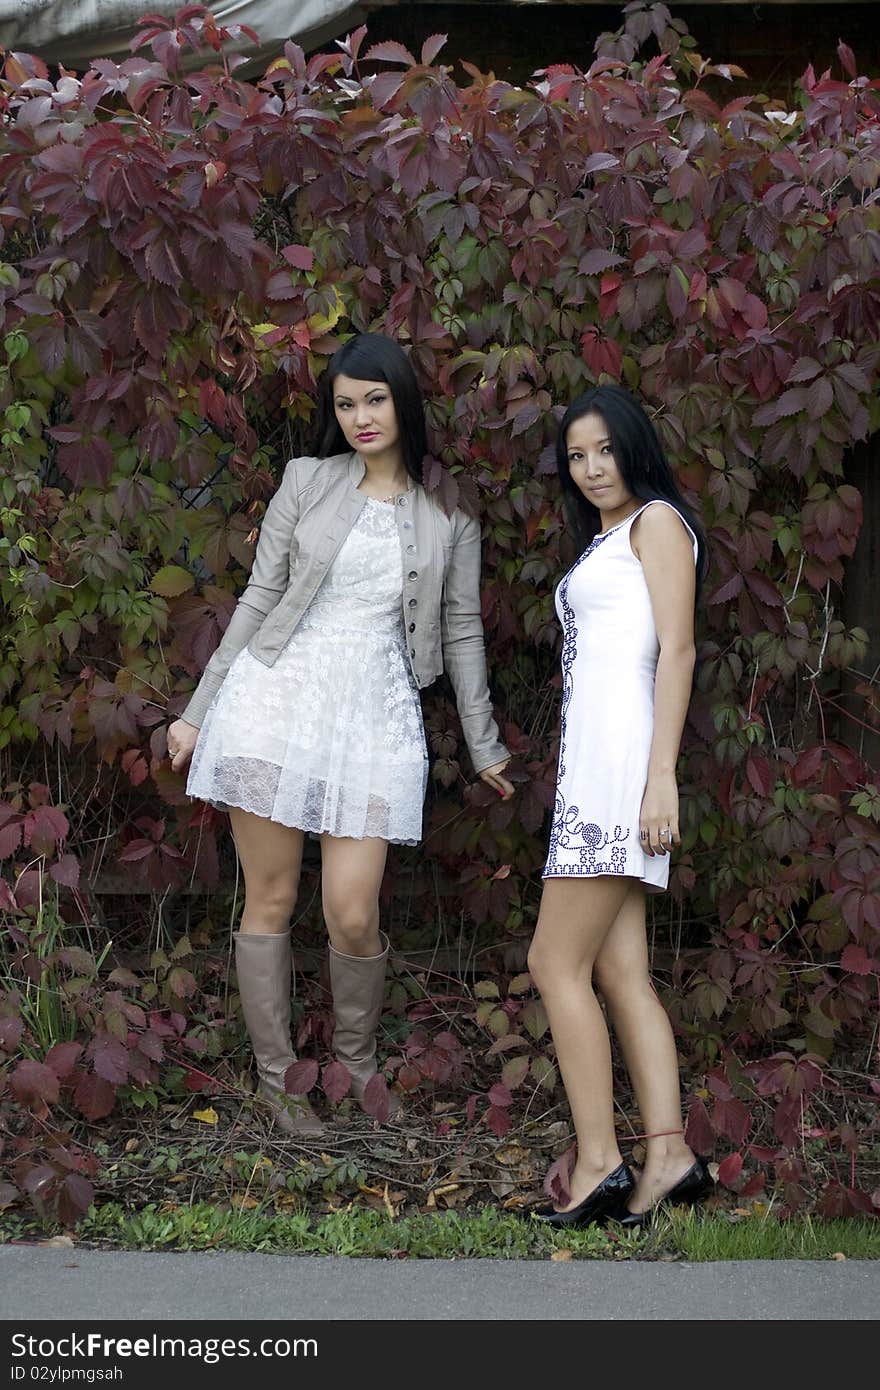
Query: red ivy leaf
{"x":38,"y":1181}
{"x":10,"y":838}
{"x":500,"y":1095}
{"x":301,"y":1077}
{"x":409,"y":1078}
{"x":557,"y":1179}
{"x":74,"y":1198}
{"x":44,"y":827}
{"x":759,"y":774}
{"x":856,"y":960}
{"x":699,"y":1134}
{"x":498,"y":1120}
{"x":847,"y":59}
{"x":431,"y":47}
{"x":150,"y":1044}
{"x":389,"y":53}
{"x":597,"y":162}
{"x":11,"y":1030}
{"x":732,"y":1119}
{"x":755,"y":1184}
{"x":94,"y":1097}
{"x":87,"y":462}
{"x":34,"y":1082}
{"x":729,"y":1169}
{"x":66,"y":871}
{"x":109,"y":1057}
{"x":302,"y":257}
{"x":727,"y":591}
{"x":27,"y":888}
{"x":376,"y":1101}
{"x":62,"y":1058}
{"x":336,"y":1081}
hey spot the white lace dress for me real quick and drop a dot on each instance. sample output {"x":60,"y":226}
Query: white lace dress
{"x":330,"y":739}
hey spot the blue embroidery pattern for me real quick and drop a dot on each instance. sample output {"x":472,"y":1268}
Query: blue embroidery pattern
{"x":588,"y":840}
{"x":567,"y":831}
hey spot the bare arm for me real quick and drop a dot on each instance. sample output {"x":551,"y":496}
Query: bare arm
{"x":664,"y":547}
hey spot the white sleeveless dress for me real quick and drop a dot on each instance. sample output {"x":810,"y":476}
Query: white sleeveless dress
{"x":329,"y":739}
{"x":609,"y":659}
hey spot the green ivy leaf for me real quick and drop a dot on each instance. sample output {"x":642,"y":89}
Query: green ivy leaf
{"x":171,"y":581}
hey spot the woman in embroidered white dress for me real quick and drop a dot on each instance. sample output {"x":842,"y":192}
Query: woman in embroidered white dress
{"x":627,"y":612}
{"x":362,"y":591}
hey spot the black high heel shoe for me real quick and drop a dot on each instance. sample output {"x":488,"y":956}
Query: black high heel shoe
{"x":604,"y":1202}
{"x":691,"y":1188}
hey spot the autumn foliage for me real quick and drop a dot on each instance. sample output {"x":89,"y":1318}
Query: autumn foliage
{"x":182,"y":251}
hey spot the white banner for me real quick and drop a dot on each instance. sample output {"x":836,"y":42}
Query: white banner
{"x":73,"y":32}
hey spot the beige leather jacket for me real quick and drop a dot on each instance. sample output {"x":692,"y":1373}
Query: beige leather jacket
{"x":310,"y":515}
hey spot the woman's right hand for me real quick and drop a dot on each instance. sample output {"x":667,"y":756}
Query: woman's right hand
{"x":181,"y":742}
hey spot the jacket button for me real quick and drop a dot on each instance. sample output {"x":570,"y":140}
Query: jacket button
{"x":410,"y":550}
{"x":401,"y":501}
{"x":412,"y":627}
{"x":412,"y":651}
{"x":413,"y":574}
{"x":413,"y":602}
{"x":407,"y":525}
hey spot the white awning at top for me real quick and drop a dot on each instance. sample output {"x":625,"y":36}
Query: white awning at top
{"x":73,"y":32}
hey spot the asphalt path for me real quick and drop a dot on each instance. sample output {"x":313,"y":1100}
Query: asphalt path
{"x":72,"y":1283}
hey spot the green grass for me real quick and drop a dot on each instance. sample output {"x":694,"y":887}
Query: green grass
{"x":695,"y":1237}
{"x":486,"y":1234}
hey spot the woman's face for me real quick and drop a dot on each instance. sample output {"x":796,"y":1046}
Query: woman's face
{"x":366,"y":415}
{"x":593,"y":467}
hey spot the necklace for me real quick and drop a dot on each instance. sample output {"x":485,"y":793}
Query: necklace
{"x":394,"y":495}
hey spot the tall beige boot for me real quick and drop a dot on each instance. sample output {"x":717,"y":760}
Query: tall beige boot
{"x":263,"y":966}
{"x":358,"y":985}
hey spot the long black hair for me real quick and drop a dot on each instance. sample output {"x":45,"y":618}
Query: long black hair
{"x":374,"y":357}
{"x":639,"y":456}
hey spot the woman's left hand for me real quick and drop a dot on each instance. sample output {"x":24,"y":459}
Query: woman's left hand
{"x":492,"y":777}
{"x":658,"y":821}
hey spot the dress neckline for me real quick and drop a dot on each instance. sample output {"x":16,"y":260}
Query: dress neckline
{"x":383,"y":502}
{"x":617,"y":525}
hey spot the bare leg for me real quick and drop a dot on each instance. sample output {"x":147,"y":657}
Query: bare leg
{"x":646,"y":1038}
{"x":271,"y":860}
{"x":575,"y":917}
{"x":351,"y":878}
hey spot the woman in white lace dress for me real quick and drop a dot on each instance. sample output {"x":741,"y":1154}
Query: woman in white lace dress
{"x":308,"y":720}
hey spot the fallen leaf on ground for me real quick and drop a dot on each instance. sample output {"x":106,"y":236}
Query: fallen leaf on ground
{"x":207,"y":1117}
{"x":511,"y":1153}
{"x":561,"y":1255}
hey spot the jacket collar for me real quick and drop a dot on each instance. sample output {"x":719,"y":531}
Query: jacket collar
{"x":356,"y":468}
